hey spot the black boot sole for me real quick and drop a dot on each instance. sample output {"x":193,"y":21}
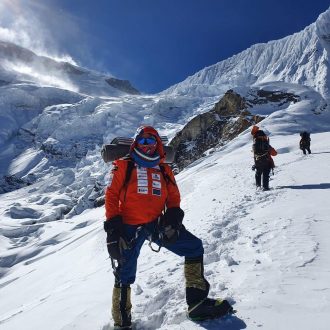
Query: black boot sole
{"x":212,"y":312}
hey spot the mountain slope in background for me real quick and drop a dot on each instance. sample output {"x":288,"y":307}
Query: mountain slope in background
{"x":301,"y":58}
{"x":21,"y":65}
{"x":261,"y":249}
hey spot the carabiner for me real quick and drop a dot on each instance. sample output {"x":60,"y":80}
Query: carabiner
{"x":150,"y":243}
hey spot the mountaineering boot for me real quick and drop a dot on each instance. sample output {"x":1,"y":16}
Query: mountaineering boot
{"x":121,"y":307}
{"x":209,"y":309}
{"x":197,"y":287}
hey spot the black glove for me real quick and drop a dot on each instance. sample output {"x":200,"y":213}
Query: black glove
{"x":253,"y":167}
{"x":173,"y":217}
{"x":170,"y":235}
{"x":115,"y":241}
{"x":171,"y":223}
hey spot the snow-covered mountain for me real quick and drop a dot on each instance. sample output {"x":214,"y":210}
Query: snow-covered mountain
{"x":266,"y":252}
{"x":302,"y":58}
{"x":39,"y":91}
{"x":20,"y":65}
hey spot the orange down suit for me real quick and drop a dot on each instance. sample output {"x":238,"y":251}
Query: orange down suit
{"x":144,"y":197}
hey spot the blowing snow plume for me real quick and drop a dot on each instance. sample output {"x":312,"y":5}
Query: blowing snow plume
{"x":34,"y":27}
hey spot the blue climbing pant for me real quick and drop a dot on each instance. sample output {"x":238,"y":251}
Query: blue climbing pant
{"x":187,"y":245}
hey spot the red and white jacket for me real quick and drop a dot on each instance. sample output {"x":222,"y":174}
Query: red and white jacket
{"x":145,"y":196}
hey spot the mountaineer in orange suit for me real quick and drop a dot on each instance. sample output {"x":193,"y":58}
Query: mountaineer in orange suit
{"x":142,"y":202}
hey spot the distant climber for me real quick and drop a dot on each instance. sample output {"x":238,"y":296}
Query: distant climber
{"x":305,"y":142}
{"x":262,"y":153}
{"x":141,"y":187}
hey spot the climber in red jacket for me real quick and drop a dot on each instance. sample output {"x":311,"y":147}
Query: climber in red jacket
{"x":142,"y":202}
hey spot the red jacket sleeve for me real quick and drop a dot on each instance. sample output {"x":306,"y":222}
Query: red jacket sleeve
{"x":173,"y":198}
{"x":112,"y":192}
{"x":272,"y":151}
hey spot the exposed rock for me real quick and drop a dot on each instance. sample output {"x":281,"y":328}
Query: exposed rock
{"x":229,"y":117}
{"x":122,"y":85}
{"x":263,"y":97}
{"x":231,"y":104}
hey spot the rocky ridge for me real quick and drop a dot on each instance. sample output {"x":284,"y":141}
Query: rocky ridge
{"x":229,"y":117}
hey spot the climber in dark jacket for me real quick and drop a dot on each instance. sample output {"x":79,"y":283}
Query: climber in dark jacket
{"x":262,"y":154}
{"x":305,"y":142}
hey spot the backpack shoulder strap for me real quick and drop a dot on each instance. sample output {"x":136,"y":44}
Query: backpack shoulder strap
{"x":165,"y":175}
{"x":129,"y":170}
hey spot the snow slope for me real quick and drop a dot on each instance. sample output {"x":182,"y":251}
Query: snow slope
{"x":267,"y":252}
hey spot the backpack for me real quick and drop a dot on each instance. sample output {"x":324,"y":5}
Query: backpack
{"x":305,"y":140}
{"x":305,"y":136}
{"x":261,"y":150}
{"x":260,"y":144}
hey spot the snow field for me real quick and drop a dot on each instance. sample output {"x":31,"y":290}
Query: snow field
{"x":267,"y":252}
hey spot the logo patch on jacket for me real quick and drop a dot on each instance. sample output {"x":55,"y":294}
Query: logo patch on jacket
{"x":156,"y":184}
{"x":142,"y":190}
{"x":143,"y":176}
{"x":142,"y":183}
{"x":156,"y":176}
{"x":156,"y":192}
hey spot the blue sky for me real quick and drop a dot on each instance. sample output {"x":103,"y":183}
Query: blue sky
{"x":157,"y":43}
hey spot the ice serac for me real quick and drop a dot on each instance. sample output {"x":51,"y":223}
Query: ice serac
{"x":323,"y":29}
{"x":300,"y":58}
{"x":323,"y":33}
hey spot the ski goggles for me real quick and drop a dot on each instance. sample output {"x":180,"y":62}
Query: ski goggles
{"x":146,"y":141}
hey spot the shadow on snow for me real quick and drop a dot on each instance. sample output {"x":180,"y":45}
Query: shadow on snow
{"x":231,"y":322}
{"x":308,"y":186}
{"x":227,"y":323}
